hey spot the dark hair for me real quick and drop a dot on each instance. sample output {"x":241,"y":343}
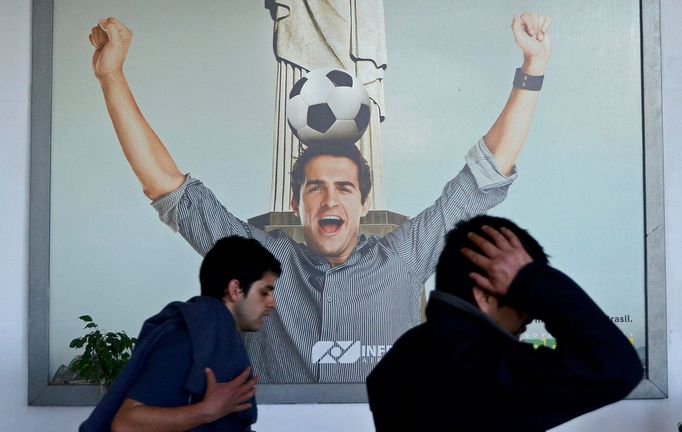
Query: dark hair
{"x":349,"y":151}
{"x":452,"y":271}
{"x":238,"y":258}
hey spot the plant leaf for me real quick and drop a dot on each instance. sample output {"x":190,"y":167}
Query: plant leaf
{"x":104,"y":355}
{"x":76,"y":343}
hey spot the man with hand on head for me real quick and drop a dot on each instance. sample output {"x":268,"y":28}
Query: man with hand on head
{"x":339,"y":285}
{"x":190,"y":369}
{"x":465,"y":369}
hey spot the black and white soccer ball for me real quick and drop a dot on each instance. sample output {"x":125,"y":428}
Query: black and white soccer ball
{"x":328,"y":105}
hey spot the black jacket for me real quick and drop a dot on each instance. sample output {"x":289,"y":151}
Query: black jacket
{"x":459,"y":371}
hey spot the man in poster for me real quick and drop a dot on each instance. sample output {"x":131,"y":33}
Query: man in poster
{"x":344,"y":297}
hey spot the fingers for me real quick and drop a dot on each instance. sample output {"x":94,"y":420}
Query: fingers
{"x":517,"y":26}
{"x":98,"y":37}
{"x":484,"y":245}
{"x":242,"y":392}
{"x":247,"y":390}
{"x":490,"y":249}
{"x":482,"y":282}
{"x":479,"y":260}
{"x":242,"y":407}
{"x":499,"y":240}
{"x":242,"y":377}
{"x":221,"y":399}
{"x":109,"y":29}
{"x":118,"y":24}
{"x":532,"y":24}
{"x":246,"y":393}
{"x":511,"y":237}
{"x":210,"y":378}
{"x":500,"y":257}
{"x":239,"y":381}
{"x":543,"y":22}
{"x":250,"y":385}
{"x":244,"y":387}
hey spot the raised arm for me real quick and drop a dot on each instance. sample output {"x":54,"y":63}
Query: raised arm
{"x":507,"y":135}
{"x":220,"y":400}
{"x":593,"y":364}
{"x":148,"y":157}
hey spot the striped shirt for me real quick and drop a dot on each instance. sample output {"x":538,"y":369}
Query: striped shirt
{"x":333,"y":324}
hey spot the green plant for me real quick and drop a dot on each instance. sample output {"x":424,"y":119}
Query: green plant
{"x":105,"y":353}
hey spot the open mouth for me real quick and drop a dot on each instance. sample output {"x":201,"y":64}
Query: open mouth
{"x":330,"y":224}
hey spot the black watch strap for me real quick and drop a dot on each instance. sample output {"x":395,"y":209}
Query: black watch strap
{"x":527,"y":82}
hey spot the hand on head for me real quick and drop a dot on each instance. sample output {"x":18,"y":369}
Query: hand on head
{"x":500,"y":259}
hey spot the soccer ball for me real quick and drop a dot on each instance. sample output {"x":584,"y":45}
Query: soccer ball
{"x":328,"y":105}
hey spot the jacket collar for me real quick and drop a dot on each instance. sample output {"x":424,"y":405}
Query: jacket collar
{"x":464,"y":306}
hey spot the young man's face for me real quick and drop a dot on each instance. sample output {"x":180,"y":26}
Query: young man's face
{"x":250,"y":310}
{"x":330,"y":207}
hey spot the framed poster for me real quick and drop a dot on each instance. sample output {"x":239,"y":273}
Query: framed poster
{"x":211,"y":76}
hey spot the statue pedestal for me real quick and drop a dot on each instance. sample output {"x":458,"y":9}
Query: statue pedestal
{"x":377,"y":222}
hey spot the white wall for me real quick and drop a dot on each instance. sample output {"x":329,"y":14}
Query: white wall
{"x":15,"y":40}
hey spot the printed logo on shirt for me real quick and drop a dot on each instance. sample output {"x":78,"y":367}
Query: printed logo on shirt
{"x":347,"y":352}
{"x":336,"y":352}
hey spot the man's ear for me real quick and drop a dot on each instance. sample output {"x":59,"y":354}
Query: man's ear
{"x":234,"y":291}
{"x":485,"y":301}
{"x":294,"y":205}
{"x":365,"y":206}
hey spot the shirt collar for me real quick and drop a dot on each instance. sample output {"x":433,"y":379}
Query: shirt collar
{"x":321,"y":263}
